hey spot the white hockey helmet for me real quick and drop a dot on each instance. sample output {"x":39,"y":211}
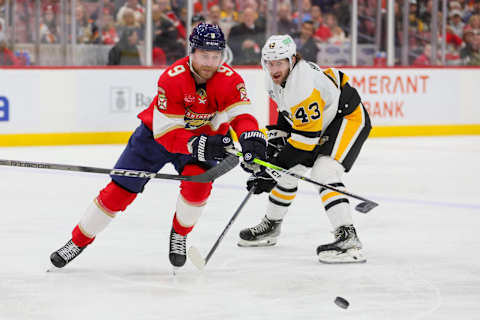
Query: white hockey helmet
{"x":279,"y":47}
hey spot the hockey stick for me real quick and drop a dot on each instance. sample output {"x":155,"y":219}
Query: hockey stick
{"x":365,"y":206}
{"x":193,"y":253}
{"x":211,"y":174}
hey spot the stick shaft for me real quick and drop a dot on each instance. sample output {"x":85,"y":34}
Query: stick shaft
{"x":223,"y":167}
{"x":300,"y":177}
{"x":229,"y":224}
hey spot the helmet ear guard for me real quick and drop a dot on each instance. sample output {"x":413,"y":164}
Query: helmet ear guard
{"x":279,"y":47}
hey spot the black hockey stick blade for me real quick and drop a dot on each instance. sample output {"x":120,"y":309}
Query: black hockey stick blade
{"x":365,"y":206}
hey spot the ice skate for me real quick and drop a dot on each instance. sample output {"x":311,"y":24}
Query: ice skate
{"x":262,"y":235}
{"x":346,"y":248}
{"x":65,"y":254}
{"x":178,"y":251}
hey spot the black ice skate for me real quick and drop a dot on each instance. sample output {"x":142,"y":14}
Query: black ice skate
{"x":65,"y":254}
{"x":263,"y":234}
{"x":178,"y":251}
{"x":346,"y":248}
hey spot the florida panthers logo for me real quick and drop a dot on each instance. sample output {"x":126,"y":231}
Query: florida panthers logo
{"x":202,"y":96}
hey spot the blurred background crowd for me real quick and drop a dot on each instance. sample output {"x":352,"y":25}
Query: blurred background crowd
{"x":113,"y":32}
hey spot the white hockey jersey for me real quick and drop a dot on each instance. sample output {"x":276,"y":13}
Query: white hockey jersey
{"x":309,"y":101}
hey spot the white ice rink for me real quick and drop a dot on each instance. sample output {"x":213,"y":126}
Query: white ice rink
{"x":422,"y":243}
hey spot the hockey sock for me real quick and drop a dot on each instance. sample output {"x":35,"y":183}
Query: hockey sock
{"x":187,"y":214}
{"x":280,"y":199}
{"x":336,"y":206}
{"x":110,"y":200}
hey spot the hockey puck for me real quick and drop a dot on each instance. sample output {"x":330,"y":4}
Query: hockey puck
{"x":341,"y":302}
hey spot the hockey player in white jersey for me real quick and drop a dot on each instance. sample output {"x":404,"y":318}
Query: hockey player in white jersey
{"x":321,"y":125}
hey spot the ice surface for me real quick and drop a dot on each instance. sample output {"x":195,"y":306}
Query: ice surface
{"x":421,"y":243}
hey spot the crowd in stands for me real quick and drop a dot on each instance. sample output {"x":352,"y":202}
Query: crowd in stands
{"x":121,"y":24}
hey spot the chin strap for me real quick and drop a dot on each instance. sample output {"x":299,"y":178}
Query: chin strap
{"x":190,"y":64}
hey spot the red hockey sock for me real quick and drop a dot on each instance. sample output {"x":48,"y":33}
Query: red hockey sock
{"x":79,"y":238}
{"x":179,"y":228}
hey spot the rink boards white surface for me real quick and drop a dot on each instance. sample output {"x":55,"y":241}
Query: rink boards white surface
{"x":421,"y":243}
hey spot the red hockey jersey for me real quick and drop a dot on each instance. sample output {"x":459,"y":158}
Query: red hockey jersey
{"x":181,"y":109}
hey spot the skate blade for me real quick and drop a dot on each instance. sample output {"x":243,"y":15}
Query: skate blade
{"x":335,"y":257}
{"x":258,"y":243}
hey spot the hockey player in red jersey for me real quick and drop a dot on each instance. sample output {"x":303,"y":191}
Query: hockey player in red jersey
{"x":199,"y":98}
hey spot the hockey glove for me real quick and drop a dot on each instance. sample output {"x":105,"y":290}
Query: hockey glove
{"x":262,"y":181}
{"x":204,"y":148}
{"x":276,"y":139}
{"x":254,"y":145}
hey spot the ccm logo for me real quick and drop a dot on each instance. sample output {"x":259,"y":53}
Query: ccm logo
{"x":4,"y":109}
{"x":131,"y":173}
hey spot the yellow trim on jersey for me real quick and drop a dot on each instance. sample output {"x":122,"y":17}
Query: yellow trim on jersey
{"x":283,"y":196}
{"x":351,"y":127}
{"x":345,"y":79}
{"x":330,"y":195}
{"x":171,"y":115}
{"x":237,"y":104}
{"x":164,"y":132}
{"x":301,"y":145}
{"x":329,"y":72}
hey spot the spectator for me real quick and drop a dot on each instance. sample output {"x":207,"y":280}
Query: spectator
{"x":306,"y":8}
{"x":7,"y":58}
{"x":246,"y":39}
{"x":166,"y":8}
{"x":468,"y":39}
{"x":228,"y":16}
{"x":166,"y":36}
{"x":260,"y":18}
{"x":474,"y":22}
{"x":424,"y":58}
{"x":325,"y":5}
{"x":48,"y":29}
{"x":285,"y":22}
{"x":108,"y":8}
{"x":213,"y":16}
{"x":456,"y":23}
{"x":337,"y":33}
{"x":87,"y":31}
{"x":128,"y":22}
{"x":338,"y":36}
{"x":426,"y":15}
{"x":109,"y":32}
{"x":323,"y":32}
{"x":473,"y":10}
{"x":133,"y":5}
{"x":125,"y":52}
{"x":317,"y":16}
{"x":473,"y":57}
{"x":305,"y":42}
